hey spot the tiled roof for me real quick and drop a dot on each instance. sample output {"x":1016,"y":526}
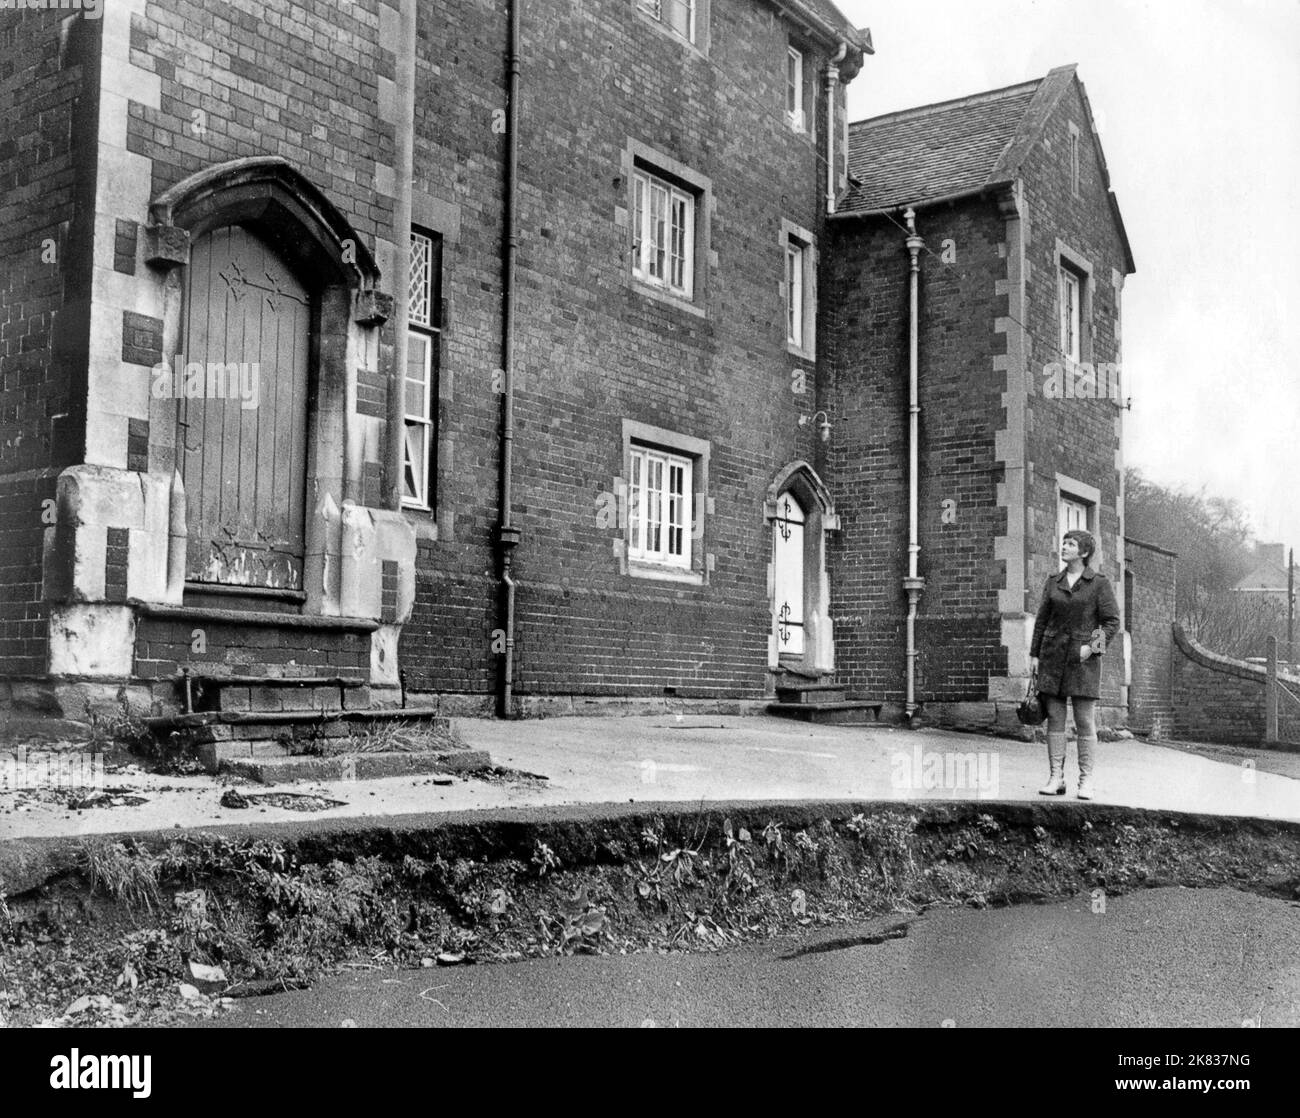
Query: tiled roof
{"x":1267,"y":576}
{"x":830,"y":15}
{"x":952,"y":148}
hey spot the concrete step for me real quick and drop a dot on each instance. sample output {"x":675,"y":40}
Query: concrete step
{"x":811,"y":692}
{"x":852,"y":713}
{"x":357,"y":766}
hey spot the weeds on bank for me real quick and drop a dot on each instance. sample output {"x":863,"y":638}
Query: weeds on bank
{"x":126,"y":875}
{"x":122,"y":728}
{"x":258,"y":911}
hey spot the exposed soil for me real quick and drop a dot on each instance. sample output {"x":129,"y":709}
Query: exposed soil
{"x":112,"y":936}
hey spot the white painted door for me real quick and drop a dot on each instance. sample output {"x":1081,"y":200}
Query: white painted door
{"x":788,"y":576}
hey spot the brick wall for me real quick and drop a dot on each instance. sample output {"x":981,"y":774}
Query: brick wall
{"x":1218,"y":699}
{"x":47,"y":154}
{"x":1150,"y":586}
{"x":217,"y":648}
{"x":300,"y":83}
{"x":593,"y":349}
{"x":865,"y":288}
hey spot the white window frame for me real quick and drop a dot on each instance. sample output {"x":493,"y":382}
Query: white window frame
{"x":1070,"y":492}
{"x":422,"y":319}
{"x":658,"y":10}
{"x":659,"y":521}
{"x":663,"y":233}
{"x":799,"y":289}
{"x":794,"y":88}
{"x":1070,"y":288}
{"x":794,"y":295}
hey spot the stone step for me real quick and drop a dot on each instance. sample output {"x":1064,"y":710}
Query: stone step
{"x":811,"y":692}
{"x":215,"y":735}
{"x":357,"y":766}
{"x":851,"y":713}
{"x":264,"y":694}
{"x":213,"y":753}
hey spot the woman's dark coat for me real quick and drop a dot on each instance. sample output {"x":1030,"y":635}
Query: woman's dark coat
{"x":1066,"y":620}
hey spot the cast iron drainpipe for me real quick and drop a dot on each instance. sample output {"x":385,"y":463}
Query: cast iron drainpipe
{"x":832,"y":80}
{"x":912,"y":582}
{"x":507,"y":534}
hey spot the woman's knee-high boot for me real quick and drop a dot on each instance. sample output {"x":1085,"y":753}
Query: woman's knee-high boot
{"x":1085,"y":766}
{"x":1055,"y":785}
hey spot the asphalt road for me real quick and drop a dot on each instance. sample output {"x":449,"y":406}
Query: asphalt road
{"x":1164,"y":958}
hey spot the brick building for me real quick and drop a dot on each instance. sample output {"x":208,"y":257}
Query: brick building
{"x":1020,"y":258}
{"x":522,"y":357}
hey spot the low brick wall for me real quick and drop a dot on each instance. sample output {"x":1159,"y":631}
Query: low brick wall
{"x":1150,"y":587}
{"x":1218,"y":699}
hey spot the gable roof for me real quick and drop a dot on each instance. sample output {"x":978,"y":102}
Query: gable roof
{"x":1267,"y":576}
{"x":823,"y":18}
{"x":955,"y":149}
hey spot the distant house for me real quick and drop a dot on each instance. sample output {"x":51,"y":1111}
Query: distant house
{"x":1268,"y":577}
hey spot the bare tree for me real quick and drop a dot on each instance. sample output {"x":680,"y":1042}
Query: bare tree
{"x":1210,"y":534}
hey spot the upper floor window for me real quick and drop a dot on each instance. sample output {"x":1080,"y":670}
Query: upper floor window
{"x":1074,"y":158}
{"x":1071,"y":310}
{"x":794,"y":292}
{"x":794,"y":88}
{"x":800,"y":287}
{"x":663,"y":233}
{"x":678,"y":15}
{"x":424,"y":319}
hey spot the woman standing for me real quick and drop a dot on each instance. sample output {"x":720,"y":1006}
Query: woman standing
{"x":1067,"y":655}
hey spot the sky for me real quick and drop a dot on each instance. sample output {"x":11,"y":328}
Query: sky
{"x":1197,"y":103}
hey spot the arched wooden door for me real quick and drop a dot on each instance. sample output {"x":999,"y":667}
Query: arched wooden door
{"x":788,"y":575}
{"x":242,"y":429}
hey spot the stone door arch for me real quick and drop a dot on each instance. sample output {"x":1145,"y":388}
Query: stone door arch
{"x":799,"y":512}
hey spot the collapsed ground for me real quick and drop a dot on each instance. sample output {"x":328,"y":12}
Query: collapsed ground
{"x":155,"y":929}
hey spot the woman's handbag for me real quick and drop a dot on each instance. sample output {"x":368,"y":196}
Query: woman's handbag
{"x":1030,"y":711}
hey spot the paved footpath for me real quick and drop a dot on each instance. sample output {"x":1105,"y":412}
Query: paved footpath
{"x":680,"y":758}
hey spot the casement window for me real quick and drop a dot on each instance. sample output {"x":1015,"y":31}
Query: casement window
{"x":663,"y":233}
{"x":1071,"y":294}
{"x":659,"y":507}
{"x":799,"y":286}
{"x":794,"y":88}
{"x":424,"y":321}
{"x":794,"y":263}
{"x":677,"y":15}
